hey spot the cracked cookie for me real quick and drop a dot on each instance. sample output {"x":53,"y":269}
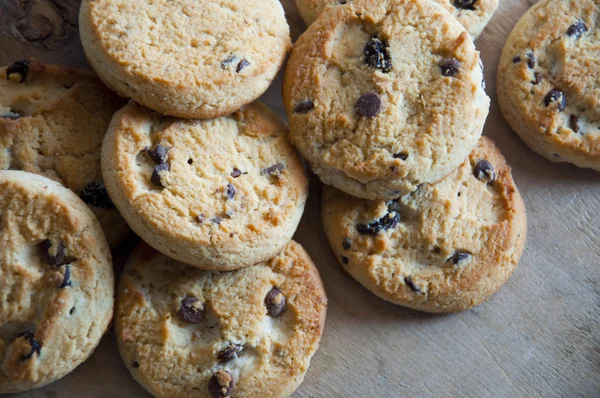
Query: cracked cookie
{"x":186,"y":58}
{"x":384,"y":97}
{"x":56,"y":279}
{"x":445,"y":247}
{"x":184,"y":332}
{"x":218,"y":194}
{"x":52,"y":122}
{"x":548,"y":85}
{"x":472,"y":14}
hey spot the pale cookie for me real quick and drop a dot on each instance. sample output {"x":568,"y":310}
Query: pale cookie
{"x":218,"y":194}
{"x":52,"y":122}
{"x":548,"y":88}
{"x":445,"y":247}
{"x":184,"y":332}
{"x":186,"y":58}
{"x":474,"y":15}
{"x":56,"y":289}
{"x":384,"y":97}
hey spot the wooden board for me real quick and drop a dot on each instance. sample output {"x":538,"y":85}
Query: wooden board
{"x":538,"y":337}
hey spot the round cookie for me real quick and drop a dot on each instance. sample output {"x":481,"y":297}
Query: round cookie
{"x":186,"y":58}
{"x":184,"y":332}
{"x":548,"y":81}
{"x":57,"y":281}
{"x":52,"y":122}
{"x":218,"y":194}
{"x":445,"y":247}
{"x":382,"y":98}
{"x":474,"y":15}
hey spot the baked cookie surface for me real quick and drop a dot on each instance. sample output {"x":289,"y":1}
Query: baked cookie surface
{"x":52,"y":122}
{"x":472,"y":14}
{"x":445,"y":247}
{"x":220,"y":194}
{"x":383,"y":97}
{"x":184,"y":332}
{"x":548,"y":85}
{"x":186,"y":58}
{"x":57,"y":285}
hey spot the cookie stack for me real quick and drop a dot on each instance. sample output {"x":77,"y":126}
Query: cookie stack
{"x":386,"y":101}
{"x":217,"y":301}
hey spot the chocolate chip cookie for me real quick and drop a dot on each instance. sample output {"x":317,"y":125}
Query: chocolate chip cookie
{"x":186,"y":58}
{"x":218,"y":194}
{"x":445,"y":247}
{"x":548,"y":85}
{"x":52,"y":122}
{"x":184,"y":332}
{"x":56,"y":289}
{"x":472,"y":14}
{"x":384,"y":97}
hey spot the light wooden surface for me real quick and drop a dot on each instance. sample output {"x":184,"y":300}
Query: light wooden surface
{"x":538,"y":337}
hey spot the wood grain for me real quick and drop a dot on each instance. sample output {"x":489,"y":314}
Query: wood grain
{"x":538,"y":337}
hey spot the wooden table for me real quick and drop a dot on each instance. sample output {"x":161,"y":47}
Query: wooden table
{"x":538,"y":337}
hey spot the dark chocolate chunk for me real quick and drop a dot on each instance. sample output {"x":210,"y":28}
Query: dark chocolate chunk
{"x":236,"y":173}
{"x":20,"y":68}
{"x":66,"y":278}
{"x":221,"y":384}
{"x":377,"y":55}
{"x":158,"y":169}
{"x":465,"y":4}
{"x":449,"y":67}
{"x":347,"y":243}
{"x":274,"y":170}
{"x":516,"y":59}
{"x":411,"y":285}
{"x":191,"y":310}
{"x":388,"y":221}
{"x":158,"y":154}
{"x":190,"y":161}
{"x":459,"y":258}
{"x":242,"y":65}
{"x":484,"y":171}
{"x":556,"y":96}
{"x":36,"y":346}
{"x":275,"y":302}
{"x":531,"y":59}
{"x":230,"y":191}
{"x":345,"y":259}
{"x":577,"y":29}
{"x":135,"y":364}
{"x":58,"y":258}
{"x":229,"y":61}
{"x":304,"y":107}
{"x":72,"y":310}
{"x":574,"y":123}
{"x":537,"y":78}
{"x":401,"y":155}
{"x":230,"y":352}
{"x":95,"y":194}
{"x":369,"y":105}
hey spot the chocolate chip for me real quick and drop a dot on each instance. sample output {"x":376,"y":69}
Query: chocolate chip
{"x":66,"y":278}
{"x":388,"y":221}
{"x":236,"y":173}
{"x":274,"y":170}
{"x":135,"y":364}
{"x":556,"y":96}
{"x":369,"y":105}
{"x":221,"y":384}
{"x":20,"y":68}
{"x":158,"y":154}
{"x":465,"y":4}
{"x":230,"y":191}
{"x":401,"y":155}
{"x":484,"y":171}
{"x":58,"y":258}
{"x":458,"y":258}
{"x":516,"y":59}
{"x":190,"y":161}
{"x":537,"y":78}
{"x":411,"y":285}
{"x":191,"y":310}
{"x":531,"y":59}
{"x":243,"y":64}
{"x":230,"y":352}
{"x":345,"y":259}
{"x":158,"y":169}
{"x":275,"y":302}
{"x":229,"y":61}
{"x":72,"y":310}
{"x":36,"y":346}
{"x":577,"y":29}
{"x":449,"y":67}
{"x":574,"y":123}
{"x":304,"y":107}
{"x":377,"y":55}
{"x":347,"y":243}
{"x":95,"y":194}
